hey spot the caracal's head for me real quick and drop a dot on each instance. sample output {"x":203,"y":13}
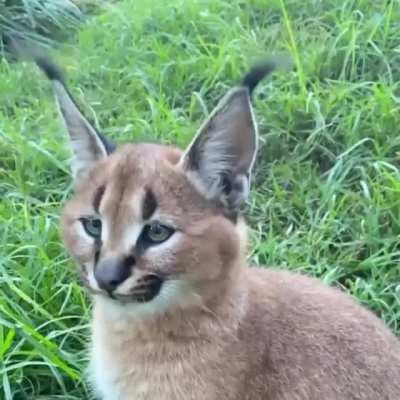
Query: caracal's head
{"x":152,"y":227}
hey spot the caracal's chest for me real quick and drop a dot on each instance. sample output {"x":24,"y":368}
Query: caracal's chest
{"x":157,"y":372}
{"x":127,"y":376}
{"x":161,"y":363}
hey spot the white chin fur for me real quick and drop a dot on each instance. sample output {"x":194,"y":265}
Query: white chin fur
{"x":92,"y":280}
{"x":173,"y":294}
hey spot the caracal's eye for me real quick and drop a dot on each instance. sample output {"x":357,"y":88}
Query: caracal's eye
{"x":155,"y":233}
{"x":92,"y":226}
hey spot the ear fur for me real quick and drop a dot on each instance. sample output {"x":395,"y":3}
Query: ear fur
{"x":221,"y":156}
{"x":88,"y":145}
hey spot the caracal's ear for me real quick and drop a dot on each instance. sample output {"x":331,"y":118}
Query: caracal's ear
{"x":220,"y":158}
{"x":88,"y":145}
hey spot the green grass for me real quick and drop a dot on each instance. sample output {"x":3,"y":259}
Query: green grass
{"x":36,"y":20}
{"x":326,"y":195}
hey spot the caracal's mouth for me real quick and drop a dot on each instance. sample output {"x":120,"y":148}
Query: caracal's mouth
{"x":145,"y":290}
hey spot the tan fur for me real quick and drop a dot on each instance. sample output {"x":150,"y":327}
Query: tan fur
{"x":224,"y":331}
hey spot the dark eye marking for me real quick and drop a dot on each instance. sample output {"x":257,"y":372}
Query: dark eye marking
{"x":149,"y":204}
{"x":98,"y":195}
{"x":92,"y":227}
{"x":97,"y":249}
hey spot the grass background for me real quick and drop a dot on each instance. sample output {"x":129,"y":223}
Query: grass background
{"x":326,"y":194}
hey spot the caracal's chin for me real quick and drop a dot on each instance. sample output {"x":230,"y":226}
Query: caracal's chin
{"x":173,"y":295}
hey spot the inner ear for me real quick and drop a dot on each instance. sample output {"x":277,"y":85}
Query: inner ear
{"x":221,"y":156}
{"x":88,"y":145}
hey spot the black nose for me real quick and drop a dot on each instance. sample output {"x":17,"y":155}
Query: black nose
{"x":111,"y":273}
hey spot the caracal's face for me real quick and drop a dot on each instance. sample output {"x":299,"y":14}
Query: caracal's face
{"x":142,"y":234}
{"x":150,"y":226}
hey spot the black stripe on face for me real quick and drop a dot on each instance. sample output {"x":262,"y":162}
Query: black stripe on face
{"x":97,"y":197}
{"x":97,"y":249}
{"x":149,"y":204}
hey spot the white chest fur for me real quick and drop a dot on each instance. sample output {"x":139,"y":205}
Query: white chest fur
{"x":145,"y":375}
{"x":127,"y":366}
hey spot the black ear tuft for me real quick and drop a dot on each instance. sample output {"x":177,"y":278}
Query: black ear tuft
{"x":265,"y":67}
{"x":25,"y":50}
{"x":109,"y":145}
{"x":257,"y":73}
{"x":53,"y":72}
{"x":50,"y":69}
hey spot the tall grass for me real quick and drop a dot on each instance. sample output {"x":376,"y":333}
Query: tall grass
{"x":39,"y":21}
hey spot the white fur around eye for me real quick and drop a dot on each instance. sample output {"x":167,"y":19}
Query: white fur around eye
{"x":80,"y":230}
{"x":104,"y":230}
{"x":84,"y":244}
{"x":131,"y":235}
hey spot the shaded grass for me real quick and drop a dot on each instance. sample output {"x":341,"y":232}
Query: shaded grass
{"x":326,"y":195}
{"x":36,"y":20}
